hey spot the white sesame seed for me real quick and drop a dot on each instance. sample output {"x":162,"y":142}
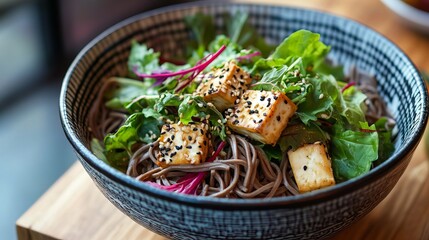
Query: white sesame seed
{"x":321,"y":96}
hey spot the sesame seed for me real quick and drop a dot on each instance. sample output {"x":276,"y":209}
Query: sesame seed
{"x":262,"y":98}
{"x":189,"y":138}
{"x":235,"y":122}
{"x":195,"y":129}
{"x":260,"y":120}
{"x":189,"y":147}
{"x":275,"y":97}
{"x":305,"y":168}
{"x":249,"y":102}
{"x":285,"y":101}
{"x":172,"y":137}
{"x":179,"y":147}
{"x":173,"y":154}
{"x":278,"y":118}
{"x":264,"y":114}
{"x":321,"y":96}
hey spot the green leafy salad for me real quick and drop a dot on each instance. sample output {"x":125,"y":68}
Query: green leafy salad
{"x":286,"y":101}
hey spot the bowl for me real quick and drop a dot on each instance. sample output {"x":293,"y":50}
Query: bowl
{"x":411,"y":16}
{"x":312,"y":215}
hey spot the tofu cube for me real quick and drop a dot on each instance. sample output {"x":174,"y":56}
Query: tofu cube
{"x":261,"y":115}
{"x":311,"y":167}
{"x":224,"y":85}
{"x":183,"y":144}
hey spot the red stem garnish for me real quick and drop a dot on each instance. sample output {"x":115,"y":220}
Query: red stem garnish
{"x":189,"y":183}
{"x":248,"y":56}
{"x":347,"y":86}
{"x":194,"y":71}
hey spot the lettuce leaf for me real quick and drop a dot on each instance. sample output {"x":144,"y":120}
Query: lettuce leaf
{"x":298,"y":134}
{"x":141,"y":127}
{"x":203,"y":30}
{"x":188,"y":108}
{"x":385,"y":146}
{"x":352,"y":152}
{"x":142,"y":59}
{"x":128,"y":90}
{"x":303,"y":44}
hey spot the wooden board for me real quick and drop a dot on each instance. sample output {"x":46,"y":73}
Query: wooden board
{"x":73,"y":208}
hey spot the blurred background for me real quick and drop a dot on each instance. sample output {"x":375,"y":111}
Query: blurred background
{"x":38,"y":40}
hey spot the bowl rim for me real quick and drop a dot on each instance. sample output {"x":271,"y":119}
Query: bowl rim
{"x":301,"y":200}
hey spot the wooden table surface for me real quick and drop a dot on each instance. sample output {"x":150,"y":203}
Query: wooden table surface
{"x":73,"y":208}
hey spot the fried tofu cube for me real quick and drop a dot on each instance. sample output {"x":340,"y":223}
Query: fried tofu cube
{"x":261,"y":115}
{"x":311,"y":167}
{"x":224,"y":85}
{"x":183,"y":144}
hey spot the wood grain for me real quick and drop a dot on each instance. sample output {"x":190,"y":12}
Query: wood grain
{"x":73,"y":208}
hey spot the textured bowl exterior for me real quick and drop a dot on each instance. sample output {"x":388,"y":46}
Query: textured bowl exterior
{"x":309,"y":216}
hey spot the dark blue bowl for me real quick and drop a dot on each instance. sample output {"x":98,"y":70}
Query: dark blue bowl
{"x":307,"y":216}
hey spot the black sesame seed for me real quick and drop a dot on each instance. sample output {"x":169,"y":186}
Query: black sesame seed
{"x":205,"y":143}
{"x":221,"y":76}
{"x":199,"y":146}
{"x":285,"y":102}
{"x":275,"y":97}
{"x":173,"y":154}
{"x":249,"y":102}
{"x":199,"y":153}
{"x":246,"y":97}
{"x":179,"y":147}
{"x":189,"y":138}
{"x":241,"y":76}
{"x":269,"y":104}
{"x":233,"y":87}
{"x":254,"y":121}
{"x":305,"y":168}
{"x":162,"y":133}
{"x":189,"y":147}
{"x":278,"y":118}
{"x":172,"y":137}
{"x":237,"y":70}
{"x":202,"y":131}
{"x":262,"y":98}
{"x":264,"y":114}
{"x":195,"y":129}
{"x":260,"y":120}
{"x":235,"y":122}
{"x":168,"y":149}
